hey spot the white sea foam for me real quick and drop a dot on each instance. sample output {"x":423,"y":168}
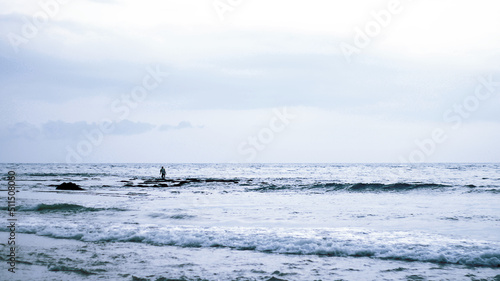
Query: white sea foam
{"x":331,"y":242}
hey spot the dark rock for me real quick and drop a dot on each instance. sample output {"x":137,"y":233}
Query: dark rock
{"x":275,"y":279}
{"x":172,"y":182}
{"x":193,"y":180}
{"x":221,"y":180}
{"x":68,"y":186}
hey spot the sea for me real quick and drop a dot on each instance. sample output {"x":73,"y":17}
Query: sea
{"x":251,"y":222}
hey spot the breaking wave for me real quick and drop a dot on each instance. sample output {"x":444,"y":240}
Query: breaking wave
{"x":354,"y":187}
{"x":323,"y":242}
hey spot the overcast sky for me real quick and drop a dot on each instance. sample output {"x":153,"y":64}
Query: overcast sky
{"x":249,"y":81}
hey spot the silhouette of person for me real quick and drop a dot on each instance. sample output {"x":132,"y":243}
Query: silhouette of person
{"x":163,"y":172}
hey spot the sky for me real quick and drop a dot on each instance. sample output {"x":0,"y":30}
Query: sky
{"x":220,"y":81}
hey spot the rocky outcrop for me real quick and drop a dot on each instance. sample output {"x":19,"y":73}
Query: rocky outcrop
{"x":68,"y":186}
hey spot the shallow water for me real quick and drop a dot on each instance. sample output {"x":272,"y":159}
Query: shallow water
{"x":255,"y":222}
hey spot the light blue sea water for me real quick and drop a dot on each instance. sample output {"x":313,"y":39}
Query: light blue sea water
{"x":255,"y":222}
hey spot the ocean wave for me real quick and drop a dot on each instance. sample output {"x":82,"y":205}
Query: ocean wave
{"x":354,"y":187}
{"x":76,"y":270}
{"x":180,"y":216}
{"x":60,"y":207}
{"x":402,"y":246}
{"x":395,"y":186}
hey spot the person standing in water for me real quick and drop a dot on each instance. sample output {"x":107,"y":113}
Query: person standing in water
{"x":163,"y":172}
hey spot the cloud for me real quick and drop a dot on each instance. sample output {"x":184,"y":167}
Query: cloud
{"x":127,"y":127}
{"x":181,"y":125}
{"x":63,"y":130}
{"x":59,"y":130}
{"x":22,"y":130}
{"x":262,"y":56}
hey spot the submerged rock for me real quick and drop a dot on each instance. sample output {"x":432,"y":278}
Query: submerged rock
{"x":156,"y":182}
{"x":275,"y":279}
{"x":68,"y":186}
